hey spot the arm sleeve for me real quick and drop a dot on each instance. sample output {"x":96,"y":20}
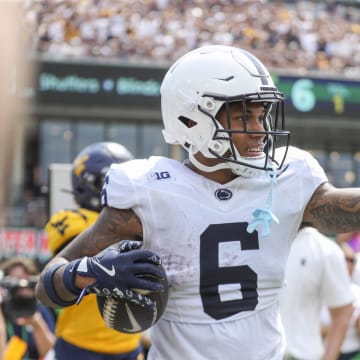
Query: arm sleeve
{"x":336,"y":286}
{"x":123,"y":183}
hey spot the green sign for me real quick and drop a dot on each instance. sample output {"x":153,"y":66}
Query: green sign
{"x":116,"y":85}
{"x":321,"y":96}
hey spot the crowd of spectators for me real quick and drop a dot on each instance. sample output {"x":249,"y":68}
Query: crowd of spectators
{"x":286,"y":35}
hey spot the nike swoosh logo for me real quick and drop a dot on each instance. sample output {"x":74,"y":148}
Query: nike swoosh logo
{"x":110,"y":272}
{"x":135,"y":326}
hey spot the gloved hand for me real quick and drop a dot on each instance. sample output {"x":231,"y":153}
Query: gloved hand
{"x":124,"y":271}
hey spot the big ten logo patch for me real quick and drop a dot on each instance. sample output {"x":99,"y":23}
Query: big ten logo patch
{"x":153,"y":176}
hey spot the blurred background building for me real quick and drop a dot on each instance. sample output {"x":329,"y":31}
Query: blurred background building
{"x":98,"y":65}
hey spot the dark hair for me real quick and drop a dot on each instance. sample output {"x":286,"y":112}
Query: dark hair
{"x":29,"y":266}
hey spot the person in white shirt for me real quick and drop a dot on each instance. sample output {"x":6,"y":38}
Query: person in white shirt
{"x":351,"y":344}
{"x":316,"y":276}
{"x":352,"y":239}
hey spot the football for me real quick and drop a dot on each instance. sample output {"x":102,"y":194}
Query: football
{"x":129,"y":317}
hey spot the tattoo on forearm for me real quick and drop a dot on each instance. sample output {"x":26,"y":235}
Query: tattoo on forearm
{"x":111,"y":228}
{"x":119,"y":218}
{"x":339,"y":212}
{"x":321,"y":211}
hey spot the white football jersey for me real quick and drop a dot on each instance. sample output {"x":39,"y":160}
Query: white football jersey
{"x":224,"y":282}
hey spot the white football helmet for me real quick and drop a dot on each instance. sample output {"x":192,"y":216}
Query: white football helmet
{"x":198,"y":85}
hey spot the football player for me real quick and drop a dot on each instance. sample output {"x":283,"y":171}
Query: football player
{"x":221,"y":222}
{"x":81,"y":331}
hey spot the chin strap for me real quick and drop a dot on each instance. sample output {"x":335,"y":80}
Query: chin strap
{"x":265,"y":216}
{"x":237,"y":169}
{"x":205,"y":168}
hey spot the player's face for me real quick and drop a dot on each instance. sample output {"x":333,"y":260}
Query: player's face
{"x":248,"y":145}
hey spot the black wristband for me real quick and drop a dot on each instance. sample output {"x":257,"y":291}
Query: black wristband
{"x":50,"y":290}
{"x":69,"y":275}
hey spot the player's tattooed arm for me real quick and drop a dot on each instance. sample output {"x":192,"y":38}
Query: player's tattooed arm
{"x":333,"y":210}
{"x":112,"y":226}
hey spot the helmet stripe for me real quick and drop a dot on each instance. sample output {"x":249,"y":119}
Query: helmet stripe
{"x":259,"y":66}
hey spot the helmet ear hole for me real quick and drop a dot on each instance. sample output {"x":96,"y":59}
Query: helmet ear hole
{"x":187,"y":122}
{"x":79,"y":190}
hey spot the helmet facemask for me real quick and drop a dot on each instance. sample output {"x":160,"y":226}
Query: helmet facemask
{"x":88,"y":188}
{"x":90,"y":168}
{"x":221,"y":145}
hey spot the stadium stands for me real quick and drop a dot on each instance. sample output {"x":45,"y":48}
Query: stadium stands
{"x":293,"y":35}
